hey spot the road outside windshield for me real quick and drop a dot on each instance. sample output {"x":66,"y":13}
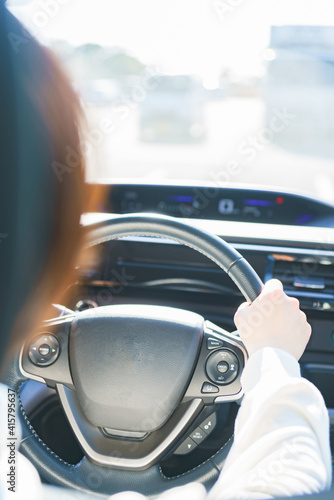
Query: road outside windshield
{"x":223,"y":91}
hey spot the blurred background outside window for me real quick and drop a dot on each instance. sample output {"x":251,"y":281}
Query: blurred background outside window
{"x":222,"y":91}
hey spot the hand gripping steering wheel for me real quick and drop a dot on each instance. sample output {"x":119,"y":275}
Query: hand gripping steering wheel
{"x":135,"y":380}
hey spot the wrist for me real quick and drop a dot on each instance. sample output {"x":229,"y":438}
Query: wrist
{"x":278,"y":345}
{"x":269,"y":364}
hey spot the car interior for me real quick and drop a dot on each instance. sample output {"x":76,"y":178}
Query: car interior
{"x":134,"y":383}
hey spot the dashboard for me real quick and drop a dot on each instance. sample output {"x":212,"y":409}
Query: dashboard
{"x":219,"y":203}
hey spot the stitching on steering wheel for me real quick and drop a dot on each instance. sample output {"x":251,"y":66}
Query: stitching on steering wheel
{"x":197,"y":466}
{"x":35,"y":435}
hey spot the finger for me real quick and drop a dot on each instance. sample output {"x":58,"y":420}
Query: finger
{"x":244,"y":305}
{"x":272,"y":285}
{"x":295,"y":302}
{"x":303,"y":315}
{"x":239,"y":313}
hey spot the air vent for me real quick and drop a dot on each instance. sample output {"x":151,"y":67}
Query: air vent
{"x":308,"y":279}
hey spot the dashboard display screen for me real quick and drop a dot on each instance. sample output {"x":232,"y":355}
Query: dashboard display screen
{"x":218,"y":203}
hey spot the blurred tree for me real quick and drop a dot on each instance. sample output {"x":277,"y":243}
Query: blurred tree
{"x":92,"y":61}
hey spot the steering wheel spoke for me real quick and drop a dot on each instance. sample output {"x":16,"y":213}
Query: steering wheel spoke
{"x":216,"y":378}
{"x":44,"y":357}
{"x":124,"y":450}
{"x":222,"y":358}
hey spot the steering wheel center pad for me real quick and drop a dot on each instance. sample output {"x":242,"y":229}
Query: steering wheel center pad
{"x":131,"y":364}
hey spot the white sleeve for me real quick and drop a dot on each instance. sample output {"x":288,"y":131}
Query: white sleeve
{"x":193,"y":491}
{"x":281,"y":443}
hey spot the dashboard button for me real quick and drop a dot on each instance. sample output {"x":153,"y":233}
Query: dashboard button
{"x":213,"y":343}
{"x":207,"y":388}
{"x":186,"y":447}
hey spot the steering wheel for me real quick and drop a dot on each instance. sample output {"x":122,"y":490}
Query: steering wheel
{"x":136,"y":382}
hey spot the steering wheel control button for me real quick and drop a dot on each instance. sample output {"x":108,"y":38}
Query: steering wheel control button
{"x":44,"y":350}
{"x":209,"y":424}
{"x":212,"y":343}
{"x":198,"y":435}
{"x":208,"y":388}
{"x":222,"y":367}
{"x":186,"y":447}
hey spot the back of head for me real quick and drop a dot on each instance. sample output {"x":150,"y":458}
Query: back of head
{"x":41,"y":186}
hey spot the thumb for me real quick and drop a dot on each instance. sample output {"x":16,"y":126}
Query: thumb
{"x":272,"y":285}
{"x":242,"y":306}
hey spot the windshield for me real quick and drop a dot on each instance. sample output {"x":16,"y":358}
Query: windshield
{"x":222,"y":91}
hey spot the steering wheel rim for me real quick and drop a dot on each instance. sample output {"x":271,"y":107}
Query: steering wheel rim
{"x":210,"y":245}
{"x":87,"y":476}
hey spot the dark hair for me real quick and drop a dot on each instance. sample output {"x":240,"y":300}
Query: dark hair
{"x":60,"y":110}
{"x":43,"y":192}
